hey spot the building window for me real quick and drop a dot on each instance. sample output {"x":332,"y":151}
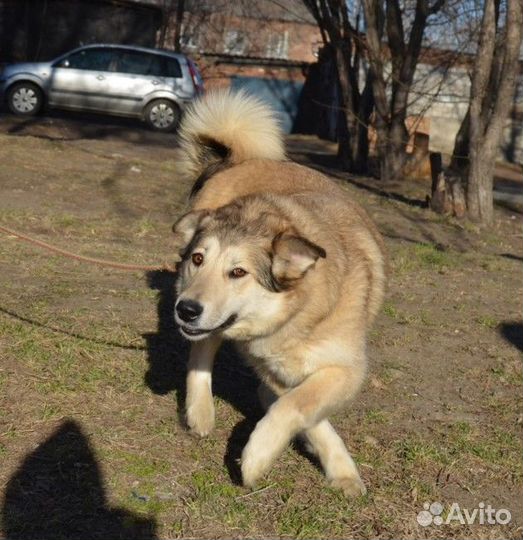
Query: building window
{"x":235,"y":42}
{"x":190,"y":38}
{"x":278,"y":45}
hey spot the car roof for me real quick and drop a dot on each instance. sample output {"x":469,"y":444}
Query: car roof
{"x":164,"y":52}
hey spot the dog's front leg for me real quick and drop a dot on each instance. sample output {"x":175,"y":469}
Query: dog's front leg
{"x":199,"y":404}
{"x":327,"y":445}
{"x":298,"y":410}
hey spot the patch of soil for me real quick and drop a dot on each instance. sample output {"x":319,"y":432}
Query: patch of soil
{"x":92,"y":368}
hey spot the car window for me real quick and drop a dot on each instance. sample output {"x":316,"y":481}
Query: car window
{"x":90,"y":59}
{"x":172,"y":68}
{"x":139,"y":63}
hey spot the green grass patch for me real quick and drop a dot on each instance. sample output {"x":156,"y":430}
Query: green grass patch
{"x":492,"y":446}
{"x":423,"y":256}
{"x":310,"y":520}
{"x":429,"y":256}
{"x":215,"y":495}
{"x":487,"y":321}
{"x":139,"y":466}
{"x":390,"y":310}
{"x":415,"y":451}
{"x":375,"y":416}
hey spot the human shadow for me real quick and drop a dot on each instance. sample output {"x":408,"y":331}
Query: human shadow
{"x":233,"y":380}
{"x":512,"y":331}
{"x":58,"y":493}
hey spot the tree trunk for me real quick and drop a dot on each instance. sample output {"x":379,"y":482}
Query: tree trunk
{"x":480,"y":200}
{"x":460,"y":154}
{"x":360,"y":142}
{"x":342,"y":39}
{"x":180,"y":7}
{"x":346,"y":122}
{"x":392,"y":141}
{"x":493,"y":84}
{"x":447,"y":195}
{"x":391,"y":107}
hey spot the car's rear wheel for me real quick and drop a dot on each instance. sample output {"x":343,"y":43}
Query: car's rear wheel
{"x":162,"y":115}
{"x":25,"y":99}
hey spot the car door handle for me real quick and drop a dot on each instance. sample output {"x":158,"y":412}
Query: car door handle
{"x":100,"y":77}
{"x":156,"y":83}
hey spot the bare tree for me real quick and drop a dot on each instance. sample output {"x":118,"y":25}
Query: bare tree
{"x":493,"y":82}
{"x":402,"y":51}
{"x":167,"y":9}
{"x":339,"y":23}
{"x":496,"y":68}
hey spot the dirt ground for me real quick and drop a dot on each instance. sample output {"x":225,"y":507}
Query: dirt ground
{"x":92,"y":443}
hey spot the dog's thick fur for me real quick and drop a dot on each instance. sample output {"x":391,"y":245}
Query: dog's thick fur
{"x":280,"y":260}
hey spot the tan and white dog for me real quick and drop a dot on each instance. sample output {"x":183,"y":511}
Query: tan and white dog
{"x":276,"y":257}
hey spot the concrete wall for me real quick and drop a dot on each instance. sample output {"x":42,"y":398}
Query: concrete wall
{"x":443,"y":96}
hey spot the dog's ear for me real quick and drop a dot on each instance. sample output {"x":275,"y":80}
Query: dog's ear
{"x":185,"y":228}
{"x":293,"y":255}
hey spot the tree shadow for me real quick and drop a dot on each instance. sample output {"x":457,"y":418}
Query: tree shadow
{"x":58,"y":493}
{"x":233,"y":380}
{"x":513,"y":332}
{"x":511,"y":256}
{"x":328,"y":164}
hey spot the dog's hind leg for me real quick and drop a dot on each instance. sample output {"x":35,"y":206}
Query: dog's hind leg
{"x":199,"y":404}
{"x":323,"y":441}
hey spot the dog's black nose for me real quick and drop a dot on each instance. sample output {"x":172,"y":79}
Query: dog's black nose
{"x":188,"y":310}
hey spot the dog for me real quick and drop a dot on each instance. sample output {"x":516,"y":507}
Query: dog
{"x":276,"y":257}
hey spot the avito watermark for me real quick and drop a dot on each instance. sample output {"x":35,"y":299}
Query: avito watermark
{"x":433,"y":514}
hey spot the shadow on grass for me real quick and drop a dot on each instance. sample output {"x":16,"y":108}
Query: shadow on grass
{"x":233,"y":380}
{"x":75,"y":335}
{"x":58,"y":493}
{"x":513,"y":332}
{"x":511,"y":256}
{"x":68,"y":126}
{"x":328,"y":164}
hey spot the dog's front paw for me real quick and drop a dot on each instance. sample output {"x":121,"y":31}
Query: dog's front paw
{"x":351,"y":486}
{"x":266,"y":443}
{"x":255,"y":463}
{"x":200,"y":417}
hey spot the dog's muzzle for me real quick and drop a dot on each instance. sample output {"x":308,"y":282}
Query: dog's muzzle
{"x":194,"y":332}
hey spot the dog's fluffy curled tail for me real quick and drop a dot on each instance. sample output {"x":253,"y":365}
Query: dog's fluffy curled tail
{"x":225,"y":128}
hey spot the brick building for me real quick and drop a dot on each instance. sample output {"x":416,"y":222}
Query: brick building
{"x":263,"y":46}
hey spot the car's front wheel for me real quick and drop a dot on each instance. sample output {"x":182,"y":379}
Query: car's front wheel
{"x":25,"y":99}
{"x":162,"y":115}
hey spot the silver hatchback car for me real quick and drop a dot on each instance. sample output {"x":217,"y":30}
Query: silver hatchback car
{"x":150,"y":84}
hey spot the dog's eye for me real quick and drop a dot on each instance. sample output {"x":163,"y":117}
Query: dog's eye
{"x":237,"y":273}
{"x":197,"y":259}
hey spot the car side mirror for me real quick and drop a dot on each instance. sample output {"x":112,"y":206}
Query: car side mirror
{"x":66,"y":63}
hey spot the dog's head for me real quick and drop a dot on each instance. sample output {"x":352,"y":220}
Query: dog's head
{"x":241,"y":266}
